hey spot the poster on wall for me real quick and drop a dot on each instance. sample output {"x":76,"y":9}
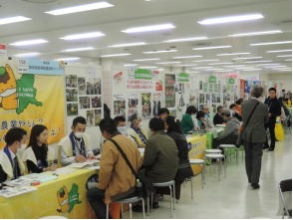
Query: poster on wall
{"x":81,"y":86}
{"x":157,"y":100}
{"x":140,"y":79}
{"x":93,"y":86}
{"x":146,"y":105}
{"x":119,"y":105}
{"x":242,"y":86}
{"x":32,"y":98}
{"x":132,"y":103}
{"x":170,"y":98}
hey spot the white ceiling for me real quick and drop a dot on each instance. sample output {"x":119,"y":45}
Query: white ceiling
{"x":184,"y":14}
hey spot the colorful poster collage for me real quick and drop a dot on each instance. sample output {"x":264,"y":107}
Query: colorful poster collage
{"x":83,"y":96}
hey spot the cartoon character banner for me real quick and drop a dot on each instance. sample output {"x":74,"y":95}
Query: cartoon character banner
{"x":29,"y":99}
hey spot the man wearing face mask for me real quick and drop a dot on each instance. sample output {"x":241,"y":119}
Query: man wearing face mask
{"x":75,"y":147}
{"x":120,"y":123}
{"x":10,"y":161}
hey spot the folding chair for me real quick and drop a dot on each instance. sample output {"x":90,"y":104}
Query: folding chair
{"x":285,"y":189}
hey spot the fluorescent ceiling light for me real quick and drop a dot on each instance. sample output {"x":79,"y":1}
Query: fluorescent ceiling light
{"x":29,"y":42}
{"x":230,"y":19}
{"x":269,"y":64}
{"x":232,"y":54}
{"x":185,"y":39}
{"x":13,"y":20}
{"x":78,"y":49}
{"x":247,"y":58}
{"x":213,"y":47}
{"x":160,"y":51}
{"x":251,"y":70}
{"x":222,"y":63}
{"x":129,"y":64}
{"x":143,"y":60}
{"x":80,"y":8}
{"x":199,"y":61}
{"x":271,"y":43}
{"x":68,"y":59}
{"x":202,"y":67}
{"x":170,"y":62}
{"x":185,"y":65}
{"x":32,"y":54}
{"x":259,"y":61}
{"x":288,"y":60}
{"x":158,"y":27}
{"x":128,"y":44}
{"x":83,"y":36}
{"x":256,"y":33}
{"x":235,"y":66}
{"x":115,"y":55}
{"x":287,"y":55}
{"x":187,"y":57}
{"x":278,"y":51}
{"x":148,"y":67}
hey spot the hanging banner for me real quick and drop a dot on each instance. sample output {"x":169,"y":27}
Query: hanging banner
{"x":40,"y":67}
{"x":183,"y":77}
{"x":146,"y":105}
{"x":170,"y":98}
{"x":28,"y":99}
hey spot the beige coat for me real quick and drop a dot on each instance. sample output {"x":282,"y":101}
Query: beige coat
{"x":115,"y":176}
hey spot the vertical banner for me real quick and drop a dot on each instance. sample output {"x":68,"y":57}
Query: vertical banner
{"x":119,"y":105}
{"x":242,"y":85}
{"x":132,"y":105}
{"x":29,"y":99}
{"x":170,"y":97}
{"x":146,"y":105}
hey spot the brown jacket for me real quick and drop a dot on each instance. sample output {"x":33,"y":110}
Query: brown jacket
{"x":115,"y":176}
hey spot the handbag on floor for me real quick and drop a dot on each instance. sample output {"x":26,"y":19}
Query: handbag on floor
{"x":242,"y":128}
{"x":279,"y":131}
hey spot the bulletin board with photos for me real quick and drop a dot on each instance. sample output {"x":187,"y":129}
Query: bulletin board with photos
{"x":83,"y":97}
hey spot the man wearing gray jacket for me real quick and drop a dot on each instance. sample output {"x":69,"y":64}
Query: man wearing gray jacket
{"x":254,"y":134}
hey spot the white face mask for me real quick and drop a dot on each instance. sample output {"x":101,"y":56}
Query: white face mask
{"x":23,"y":146}
{"x":122,"y":130}
{"x":78,"y":134}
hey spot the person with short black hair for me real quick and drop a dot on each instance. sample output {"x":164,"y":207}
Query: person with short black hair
{"x":160,"y":160}
{"x":76,"y":147}
{"x":184,"y":170}
{"x":218,"y":119}
{"x":274,"y":107}
{"x":187,"y":123}
{"x":10,"y":161}
{"x":115,"y":176}
{"x":163,"y":113}
{"x":235,"y":112}
{"x":36,"y":154}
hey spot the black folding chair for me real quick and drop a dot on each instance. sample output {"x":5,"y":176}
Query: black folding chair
{"x":284,"y":187}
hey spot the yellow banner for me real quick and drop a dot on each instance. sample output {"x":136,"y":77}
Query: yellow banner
{"x":28,"y":99}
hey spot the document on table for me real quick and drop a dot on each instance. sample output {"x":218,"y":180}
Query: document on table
{"x":8,"y":192}
{"x":84,"y":164}
{"x":63,"y":171}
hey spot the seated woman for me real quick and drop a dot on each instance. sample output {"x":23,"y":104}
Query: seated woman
{"x":187,"y":124}
{"x":202,"y":121}
{"x":35,"y":155}
{"x":137,"y":133}
{"x":184,"y":171}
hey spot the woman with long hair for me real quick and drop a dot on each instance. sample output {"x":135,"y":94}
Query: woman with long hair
{"x":36,"y":154}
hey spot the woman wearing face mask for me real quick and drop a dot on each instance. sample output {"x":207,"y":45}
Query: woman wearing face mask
{"x":35,"y":155}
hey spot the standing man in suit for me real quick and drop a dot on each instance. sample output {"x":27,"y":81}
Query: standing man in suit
{"x":254,"y":134}
{"x":274,"y":108}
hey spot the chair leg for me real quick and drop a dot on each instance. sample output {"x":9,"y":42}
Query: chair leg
{"x":121,"y":207}
{"x":148,"y":205}
{"x":219,"y":168}
{"x":130,"y":210}
{"x":203,"y":174}
{"x":143,"y":207}
{"x":191,"y":187}
{"x":174,"y":195}
{"x":107,"y":211}
{"x":237,"y":155}
{"x":171,"y":202}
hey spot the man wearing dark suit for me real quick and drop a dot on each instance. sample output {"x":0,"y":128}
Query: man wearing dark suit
{"x":274,"y":108}
{"x":254,"y":135}
{"x":218,"y":118}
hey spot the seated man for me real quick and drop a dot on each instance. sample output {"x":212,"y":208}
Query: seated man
{"x":11,"y":165}
{"x":206,"y":111}
{"x":115,"y":176}
{"x":137,"y":133}
{"x":75,"y":147}
{"x":120,"y":123}
{"x":235,"y":112}
{"x":218,"y":118}
{"x":163,"y":113}
{"x":161,"y":160}
{"x":230,"y":134}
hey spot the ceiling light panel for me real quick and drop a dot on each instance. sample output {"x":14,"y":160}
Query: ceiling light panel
{"x":128,"y":44}
{"x":231,"y":19}
{"x":271,"y":43}
{"x":177,"y":40}
{"x":115,"y":55}
{"x":29,"y":42}
{"x":247,"y":58}
{"x":159,"y":51}
{"x":80,"y":8}
{"x":32,"y":54}
{"x":233,"y":54}
{"x":187,"y":57}
{"x":278,"y":51}
{"x":82,"y":36}
{"x":145,"y":60}
{"x":78,"y":49}
{"x":13,"y":20}
{"x":256,"y":33}
{"x":149,"y":28}
{"x":212,"y":47}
